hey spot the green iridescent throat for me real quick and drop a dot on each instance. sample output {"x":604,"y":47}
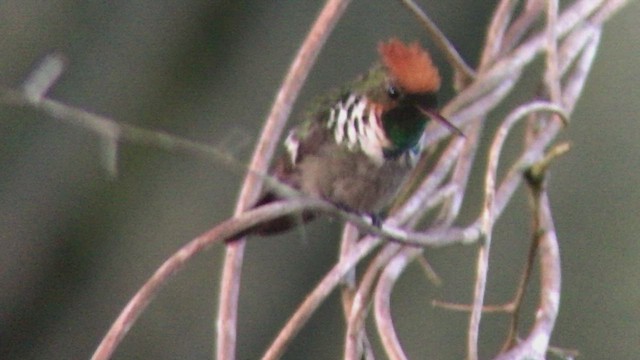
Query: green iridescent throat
{"x":403,"y":126}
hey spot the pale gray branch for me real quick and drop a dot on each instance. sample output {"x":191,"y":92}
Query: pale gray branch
{"x":318,"y":295}
{"x":179,"y":259}
{"x":232,"y":268}
{"x":382,"y":305}
{"x":466,"y":72}
{"x":361,"y":301}
{"x":535,"y":345}
{"x":568,"y":41}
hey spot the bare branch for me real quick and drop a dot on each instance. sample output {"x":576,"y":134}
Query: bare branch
{"x":577,"y":79}
{"x":362,"y":299}
{"x":522,"y":24}
{"x":568,"y":42}
{"x":349,"y":239}
{"x":496,"y":33}
{"x":318,"y":295}
{"x":415,"y":205}
{"x":552,"y":73}
{"x":536,"y":344}
{"x":489,"y":218}
{"x":460,"y":176}
{"x":519,"y":57}
{"x":179,"y":259}
{"x":41,"y":79}
{"x":232,"y":268}
{"x":382,"y":303}
{"x":466,"y":72}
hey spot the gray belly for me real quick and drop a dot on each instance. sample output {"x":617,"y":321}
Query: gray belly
{"x":351,"y":179}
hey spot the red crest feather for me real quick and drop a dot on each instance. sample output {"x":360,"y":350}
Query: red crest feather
{"x":411,"y":66}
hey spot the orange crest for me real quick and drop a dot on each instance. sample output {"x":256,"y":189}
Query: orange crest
{"x":411,"y":66}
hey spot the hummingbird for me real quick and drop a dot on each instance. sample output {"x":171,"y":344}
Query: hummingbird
{"x":358,"y":144}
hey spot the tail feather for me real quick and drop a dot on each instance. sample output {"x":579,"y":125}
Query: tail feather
{"x":278,"y":225}
{"x":283,"y":223}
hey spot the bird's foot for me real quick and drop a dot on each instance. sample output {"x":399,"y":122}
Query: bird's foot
{"x":376,"y":220}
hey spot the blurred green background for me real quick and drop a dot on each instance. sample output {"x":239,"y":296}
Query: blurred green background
{"x":76,"y":244}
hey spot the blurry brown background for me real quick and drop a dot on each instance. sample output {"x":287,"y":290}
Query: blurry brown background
{"x":75,"y":244}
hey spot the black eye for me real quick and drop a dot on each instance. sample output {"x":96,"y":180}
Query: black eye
{"x":393,"y":92}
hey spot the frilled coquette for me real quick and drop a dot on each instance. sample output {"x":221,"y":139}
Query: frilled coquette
{"x":358,"y":145}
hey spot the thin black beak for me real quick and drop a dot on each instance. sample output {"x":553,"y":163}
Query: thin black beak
{"x":436,"y":115}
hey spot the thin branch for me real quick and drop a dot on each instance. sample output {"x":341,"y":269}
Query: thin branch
{"x":45,"y":75}
{"x":362,"y":298}
{"x":110,"y":130}
{"x":382,"y":303}
{"x":521,"y":289}
{"x":179,"y":259}
{"x":502,"y":63}
{"x":519,"y":57}
{"x":466,"y":72}
{"x":508,"y":70}
{"x":521,"y":25}
{"x":513,"y":177}
{"x":428,"y":270}
{"x":416,"y":204}
{"x":610,"y":8}
{"x":460,"y":176}
{"x":232,"y":268}
{"x":552,"y":67}
{"x":535,"y":178}
{"x":536,"y":344}
{"x":487,"y":309}
{"x":489,"y":218}
{"x":350,"y":235}
{"x":495,"y":35}
{"x":227,"y":230}
{"x":577,"y":79}
{"x":462,"y":114}
{"x":482,"y":268}
{"x":328,"y":283}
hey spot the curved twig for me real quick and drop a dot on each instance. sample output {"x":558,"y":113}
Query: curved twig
{"x":232,"y":268}
{"x":179,"y":259}
{"x":552,"y":67}
{"x":362,"y":298}
{"x":495,"y":35}
{"x":536,"y":344}
{"x":569,"y":42}
{"x":382,"y":303}
{"x":488,"y":215}
{"x":450,"y":52}
{"x":318,"y":295}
